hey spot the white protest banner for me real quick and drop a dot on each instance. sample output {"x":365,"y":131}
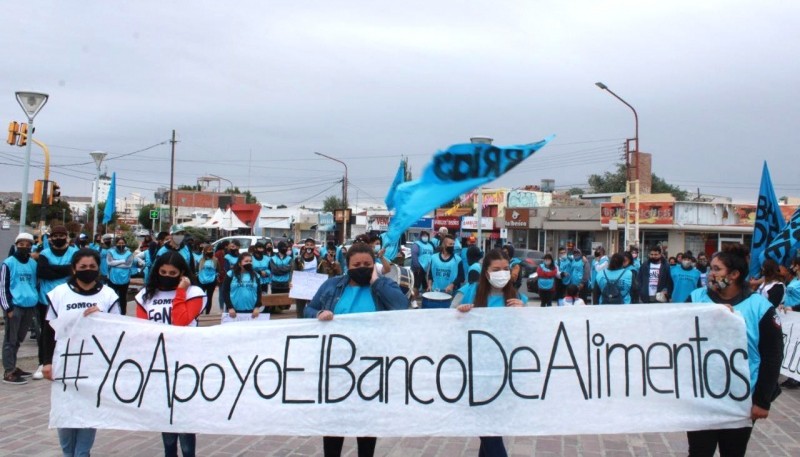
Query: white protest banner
{"x":503,"y":371}
{"x":305,"y":284}
{"x":791,"y":344}
{"x":242,"y":317}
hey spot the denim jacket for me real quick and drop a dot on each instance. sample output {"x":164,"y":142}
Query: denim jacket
{"x":385,"y":292}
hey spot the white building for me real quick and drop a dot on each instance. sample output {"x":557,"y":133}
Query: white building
{"x":128,"y":207}
{"x":102,"y":190}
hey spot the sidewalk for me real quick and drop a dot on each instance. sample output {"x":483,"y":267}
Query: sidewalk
{"x":25,"y":412}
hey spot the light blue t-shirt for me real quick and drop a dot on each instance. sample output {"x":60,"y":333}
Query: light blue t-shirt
{"x":355,"y":299}
{"x":685,"y":281}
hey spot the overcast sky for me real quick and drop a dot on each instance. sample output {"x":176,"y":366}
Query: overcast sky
{"x":253,"y":88}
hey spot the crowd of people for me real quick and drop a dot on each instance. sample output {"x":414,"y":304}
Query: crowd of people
{"x":41,"y":282}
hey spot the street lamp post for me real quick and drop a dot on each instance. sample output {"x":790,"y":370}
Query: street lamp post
{"x":31,"y":103}
{"x":480,"y":140}
{"x":344,"y":194}
{"x":98,"y":157}
{"x":629,"y":179}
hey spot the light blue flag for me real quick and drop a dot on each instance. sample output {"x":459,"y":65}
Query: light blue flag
{"x":769,"y":222}
{"x":399,"y":178}
{"x":459,"y":169}
{"x":111,"y":200}
{"x":784,"y":246}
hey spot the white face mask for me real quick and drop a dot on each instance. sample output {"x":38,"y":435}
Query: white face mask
{"x":499,"y":279}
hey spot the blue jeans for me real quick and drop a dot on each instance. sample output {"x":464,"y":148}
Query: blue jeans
{"x":492,"y":446}
{"x":188,"y":444}
{"x":76,"y":442}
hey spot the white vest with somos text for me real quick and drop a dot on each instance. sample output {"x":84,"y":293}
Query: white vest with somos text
{"x":66,"y":304}
{"x":159,"y":307}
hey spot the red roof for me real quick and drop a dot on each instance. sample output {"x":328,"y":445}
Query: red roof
{"x":247,"y":213}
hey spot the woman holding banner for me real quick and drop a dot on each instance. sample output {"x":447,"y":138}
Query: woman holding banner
{"x":360,"y":291}
{"x":494,"y":289}
{"x":726,"y":285}
{"x":170,"y":298}
{"x":69,"y":302}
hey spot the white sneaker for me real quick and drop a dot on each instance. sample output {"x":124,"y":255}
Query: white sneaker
{"x":414,"y":304}
{"x":38,"y":373}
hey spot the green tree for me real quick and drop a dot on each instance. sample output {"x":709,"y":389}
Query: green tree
{"x":144,"y":216}
{"x":576,"y":191}
{"x":101,"y":207}
{"x":615,"y":182}
{"x":249,"y":197}
{"x":332,"y":203}
{"x":189,"y":187}
{"x":56,"y":212}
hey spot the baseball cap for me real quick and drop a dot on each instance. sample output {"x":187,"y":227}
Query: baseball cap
{"x":24,"y":237}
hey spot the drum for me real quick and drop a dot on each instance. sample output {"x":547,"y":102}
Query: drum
{"x":431,"y":300}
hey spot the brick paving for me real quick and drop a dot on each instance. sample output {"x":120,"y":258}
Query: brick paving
{"x":24,"y":415}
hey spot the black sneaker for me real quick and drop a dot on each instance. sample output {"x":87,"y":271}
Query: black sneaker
{"x":790,"y":384}
{"x":12,"y":378}
{"x":22,"y":374}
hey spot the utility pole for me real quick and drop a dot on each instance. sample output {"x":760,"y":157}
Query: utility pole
{"x":172,"y":178}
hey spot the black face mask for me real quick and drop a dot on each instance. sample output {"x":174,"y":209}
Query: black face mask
{"x":107,"y":244}
{"x":58,"y":242}
{"x":258,"y":255}
{"x":121,"y":249}
{"x":282,"y":251}
{"x":234,"y":253}
{"x":23,"y":253}
{"x":450,"y":250}
{"x":87,"y":276}
{"x":361,"y":276}
{"x":248,"y":267}
{"x":168,"y":282}
{"x":208,"y":254}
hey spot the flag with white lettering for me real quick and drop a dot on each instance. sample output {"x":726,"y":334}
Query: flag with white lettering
{"x":457,"y":170}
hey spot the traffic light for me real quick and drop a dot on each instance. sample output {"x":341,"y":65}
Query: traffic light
{"x":39,"y":187}
{"x":54,"y":196}
{"x":23,"y":134}
{"x":13,"y":133}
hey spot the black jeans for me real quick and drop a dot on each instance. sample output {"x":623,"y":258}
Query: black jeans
{"x":188,"y":444}
{"x":209,"y":290}
{"x":492,"y":446}
{"x":332,"y":446}
{"x":41,"y":321}
{"x":122,"y":293}
{"x":547,"y":297}
{"x":732,"y":442}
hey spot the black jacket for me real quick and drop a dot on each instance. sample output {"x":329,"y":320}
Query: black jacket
{"x":664,"y":280}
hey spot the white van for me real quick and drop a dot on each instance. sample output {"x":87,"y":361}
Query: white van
{"x":245,"y":241}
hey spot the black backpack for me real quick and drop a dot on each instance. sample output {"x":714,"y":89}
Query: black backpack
{"x":611,"y":295}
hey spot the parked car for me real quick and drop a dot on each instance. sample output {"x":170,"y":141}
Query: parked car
{"x":245,"y":241}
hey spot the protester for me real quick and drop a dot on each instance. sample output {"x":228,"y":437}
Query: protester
{"x":546,"y":274}
{"x":120,"y":262}
{"x":261,"y":263}
{"x":729,"y":270}
{"x":637,"y":262}
{"x":360,"y":291}
{"x":599,"y":263}
{"x":772,"y":287}
{"x":106,"y":241}
{"x":177,"y":241}
{"x":791,"y":303}
{"x":629,"y":263}
{"x":572,"y":296}
{"x":494,"y":289}
{"x":208,"y":275}
{"x":307,"y":262}
{"x":281,"y":269}
{"x":421,"y":255}
{"x":474,"y":256}
{"x":655,"y":280}
{"x":613,"y":284}
{"x":383,"y":265}
{"x":328,"y":264}
{"x":574,"y":269}
{"x":242,"y":288}
{"x":52,"y":269}
{"x":562,"y":281}
{"x":702,"y":267}
{"x":18,"y":297}
{"x":515,"y":265}
{"x":446,"y":273}
{"x":171,"y":299}
{"x":685,"y":279}
{"x":68,"y":302}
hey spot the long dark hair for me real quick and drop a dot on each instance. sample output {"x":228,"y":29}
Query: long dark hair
{"x":734,"y":257}
{"x":484,"y":288}
{"x":616,"y":262}
{"x":172,"y":258}
{"x":238,"y":269}
{"x":84,"y":252}
{"x":770,"y":271}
